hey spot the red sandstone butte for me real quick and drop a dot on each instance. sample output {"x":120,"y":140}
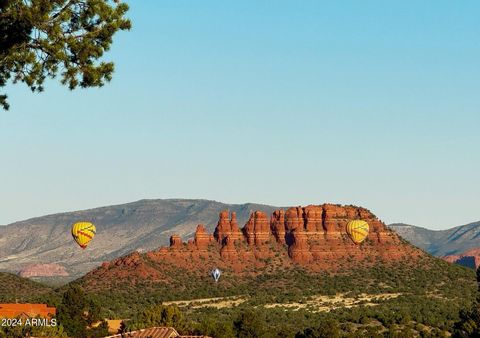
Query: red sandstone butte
{"x":313,"y":236}
{"x":43,"y":270}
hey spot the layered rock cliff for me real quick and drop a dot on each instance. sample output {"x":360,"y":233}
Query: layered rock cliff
{"x":43,"y":270}
{"x":314,"y":237}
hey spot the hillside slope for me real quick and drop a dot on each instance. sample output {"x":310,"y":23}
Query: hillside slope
{"x":143,"y":225}
{"x":312,"y":239}
{"x":17,"y":289}
{"x":297,"y":261}
{"x":296,"y":267}
{"x":441,"y":243}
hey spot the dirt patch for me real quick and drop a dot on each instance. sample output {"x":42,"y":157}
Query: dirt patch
{"x":218,"y":302}
{"x":328,"y":303}
{"x":319,"y":303}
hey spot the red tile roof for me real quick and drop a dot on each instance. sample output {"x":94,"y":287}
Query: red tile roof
{"x":154,"y":332}
{"x":29,"y":310}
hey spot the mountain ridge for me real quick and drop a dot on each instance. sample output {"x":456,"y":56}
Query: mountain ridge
{"x":144,"y":225}
{"x":453,"y":241}
{"x":140,"y":225}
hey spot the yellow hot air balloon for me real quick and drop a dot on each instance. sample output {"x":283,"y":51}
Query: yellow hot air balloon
{"x":83,"y":233}
{"x":357,"y":230}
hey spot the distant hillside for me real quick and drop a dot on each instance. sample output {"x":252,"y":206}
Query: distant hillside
{"x":142,"y":225}
{"x":15,"y":288}
{"x":441,"y":243}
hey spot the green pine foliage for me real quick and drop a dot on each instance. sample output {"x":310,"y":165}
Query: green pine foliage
{"x":431,"y":297}
{"x":77,"y":313}
{"x":43,"y":39}
{"x":158,"y":315}
{"x":32,"y":331}
{"x":435,"y":299}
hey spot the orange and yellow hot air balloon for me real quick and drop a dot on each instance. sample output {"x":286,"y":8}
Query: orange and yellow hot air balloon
{"x":83,"y":233}
{"x":357,"y":230}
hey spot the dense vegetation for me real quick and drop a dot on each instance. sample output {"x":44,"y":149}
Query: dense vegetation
{"x":469,"y":324}
{"x":434,"y":299}
{"x":14,"y":288}
{"x":58,"y":38}
{"x":428,"y":307}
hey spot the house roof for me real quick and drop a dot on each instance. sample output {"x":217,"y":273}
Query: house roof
{"x":28,"y":310}
{"x":154,"y":332}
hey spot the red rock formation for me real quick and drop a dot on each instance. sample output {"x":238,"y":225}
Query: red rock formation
{"x":134,"y":259}
{"x":43,"y":270}
{"x":227,"y":227}
{"x":294,"y":219}
{"x":299,"y":249}
{"x":233,"y":222}
{"x":223,"y":227}
{"x":131,"y":265}
{"x":470,"y":258}
{"x":228,"y":250}
{"x":335,"y":220}
{"x":257,"y":229}
{"x":202,"y":238}
{"x":277,"y":225}
{"x":313,"y":216}
{"x":176,"y":241}
{"x":315,"y":235}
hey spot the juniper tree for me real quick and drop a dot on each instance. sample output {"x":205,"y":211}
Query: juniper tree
{"x":41,"y":39}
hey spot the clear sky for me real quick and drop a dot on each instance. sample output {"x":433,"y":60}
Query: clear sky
{"x":371,"y":103}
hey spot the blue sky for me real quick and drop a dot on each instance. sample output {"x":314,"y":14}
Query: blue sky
{"x":277,"y":102}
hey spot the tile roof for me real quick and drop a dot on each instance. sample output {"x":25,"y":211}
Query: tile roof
{"x":28,"y":310}
{"x":154,"y":332}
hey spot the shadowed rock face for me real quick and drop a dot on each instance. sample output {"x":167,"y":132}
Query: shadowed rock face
{"x":313,"y":236}
{"x":227,"y":226}
{"x":470,"y":259}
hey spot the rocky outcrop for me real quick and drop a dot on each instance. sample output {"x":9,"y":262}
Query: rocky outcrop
{"x":227,"y":227}
{"x":313,"y":218}
{"x":257,"y":230}
{"x":131,"y":265}
{"x":176,"y":241}
{"x":202,"y":239}
{"x":228,"y":250}
{"x":43,"y":270}
{"x":277,"y":224}
{"x":470,"y":258}
{"x":313,"y":236}
{"x":294,"y":219}
{"x":299,"y":249}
